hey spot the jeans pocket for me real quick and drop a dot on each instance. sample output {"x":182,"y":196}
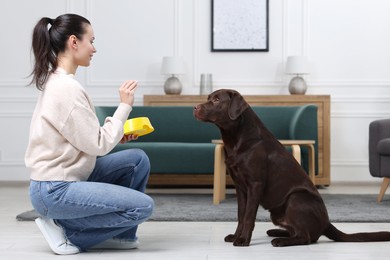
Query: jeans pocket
{"x":57,"y":187}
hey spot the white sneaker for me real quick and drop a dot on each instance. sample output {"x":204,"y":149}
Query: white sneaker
{"x":121,"y":244}
{"x":55,"y":237}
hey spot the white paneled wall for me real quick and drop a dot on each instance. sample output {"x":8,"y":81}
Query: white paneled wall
{"x":347,"y":42}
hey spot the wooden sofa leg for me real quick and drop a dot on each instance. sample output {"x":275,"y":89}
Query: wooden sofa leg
{"x":219,"y":175}
{"x":296,"y":152}
{"x":385,"y":184}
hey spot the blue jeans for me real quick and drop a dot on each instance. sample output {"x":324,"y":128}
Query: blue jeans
{"x":110,"y":204}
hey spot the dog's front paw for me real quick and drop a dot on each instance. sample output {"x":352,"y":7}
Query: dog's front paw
{"x":230,"y":238}
{"x":241,"y":241}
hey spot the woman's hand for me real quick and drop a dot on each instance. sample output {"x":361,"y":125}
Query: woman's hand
{"x":128,"y":138}
{"x":127,"y":90}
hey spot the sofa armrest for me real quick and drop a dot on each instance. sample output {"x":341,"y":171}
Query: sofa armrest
{"x":304,"y":126}
{"x":378,"y":130}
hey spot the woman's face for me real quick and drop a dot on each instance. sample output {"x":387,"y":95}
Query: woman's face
{"x":85,"y":48}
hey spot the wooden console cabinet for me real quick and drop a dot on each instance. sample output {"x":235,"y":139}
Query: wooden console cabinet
{"x":321,"y":101}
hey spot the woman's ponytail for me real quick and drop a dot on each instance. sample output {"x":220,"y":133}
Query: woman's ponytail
{"x":45,"y":60}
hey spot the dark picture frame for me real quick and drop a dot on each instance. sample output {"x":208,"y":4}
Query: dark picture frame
{"x":239,"y":25}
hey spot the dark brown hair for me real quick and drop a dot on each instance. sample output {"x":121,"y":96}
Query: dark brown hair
{"x":48,"y":39}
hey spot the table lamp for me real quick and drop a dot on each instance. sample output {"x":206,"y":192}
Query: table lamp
{"x":172,"y":66}
{"x":297,"y":65}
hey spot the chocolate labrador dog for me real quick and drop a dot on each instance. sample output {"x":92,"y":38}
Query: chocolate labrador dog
{"x":266,"y":174}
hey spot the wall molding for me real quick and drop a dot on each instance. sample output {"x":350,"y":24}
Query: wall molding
{"x":195,"y":51}
{"x":116,"y":83}
{"x":13,"y":115}
{"x":359,"y":100}
{"x":14,"y":83}
{"x":14,"y":99}
{"x":360,"y":115}
{"x":349,"y":83}
{"x":12,"y":163}
{"x":334,"y":163}
{"x":176,"y":28}
{"x":101,"y":101}
{"x":152,"y":83}
{"x":108,"y":101}
{"x":17,"y":99}
{"x":349,"y":163}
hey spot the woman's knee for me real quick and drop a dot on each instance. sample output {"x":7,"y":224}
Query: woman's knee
{"x":139,"y":157}
{"x":143,"y":158}
{"x":149,"y":208}
{"x":145,"y":208}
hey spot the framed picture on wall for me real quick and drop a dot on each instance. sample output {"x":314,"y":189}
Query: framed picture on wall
{"x":239,"y":25}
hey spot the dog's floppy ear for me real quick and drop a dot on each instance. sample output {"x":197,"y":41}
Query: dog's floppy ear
{"x":237,"y":105}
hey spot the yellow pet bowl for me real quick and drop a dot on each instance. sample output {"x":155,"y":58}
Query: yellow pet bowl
{"x":138,"y":126}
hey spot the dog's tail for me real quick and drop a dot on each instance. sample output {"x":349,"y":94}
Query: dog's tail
{"x":333,"y":233}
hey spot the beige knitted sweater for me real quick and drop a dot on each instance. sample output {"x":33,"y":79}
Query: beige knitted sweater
{"x":65,"y":134}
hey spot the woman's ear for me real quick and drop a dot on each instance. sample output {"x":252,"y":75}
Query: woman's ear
{"x":73,"y":41}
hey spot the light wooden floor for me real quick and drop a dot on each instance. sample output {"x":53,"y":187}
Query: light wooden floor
{"x":186,"y":240}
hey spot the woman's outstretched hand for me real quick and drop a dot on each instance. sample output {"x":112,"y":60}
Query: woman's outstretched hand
{"x":127,"y":90}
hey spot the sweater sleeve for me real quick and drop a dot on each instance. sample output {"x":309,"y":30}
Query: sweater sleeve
{"x":82,"y":129}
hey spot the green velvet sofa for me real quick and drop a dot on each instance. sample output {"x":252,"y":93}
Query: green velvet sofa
{"x":180,"y":149}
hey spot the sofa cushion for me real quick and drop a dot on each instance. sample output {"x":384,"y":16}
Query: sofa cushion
{"x":169,"y":157}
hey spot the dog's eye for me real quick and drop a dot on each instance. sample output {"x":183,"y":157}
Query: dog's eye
{"x":215,"y":100}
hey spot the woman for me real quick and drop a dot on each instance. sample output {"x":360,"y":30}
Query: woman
{"x":85,"y":202}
